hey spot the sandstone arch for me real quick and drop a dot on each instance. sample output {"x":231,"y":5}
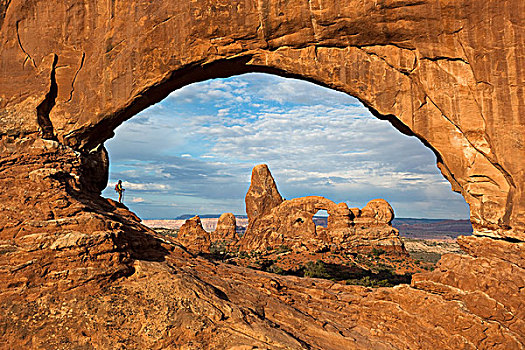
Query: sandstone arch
{"x":274,"y":222}
{"x":105,"y":80}
{"x":291,"y":223}
{"x":407,"y":63}
{"x":448,"y":72}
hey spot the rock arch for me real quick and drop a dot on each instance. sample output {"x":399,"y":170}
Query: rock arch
{"x":274,"y":222}
{"x":102,"y":62}
{"x":448,"y":72}
{"x":291,"y":223}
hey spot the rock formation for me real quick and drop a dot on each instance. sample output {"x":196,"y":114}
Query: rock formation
{"x":193,"y":237}
{"x":377,"y":212}
{"x":432,"y":78}
{"x":290,"y":223}
{"x":226,"y":231}
{"x":262,"y":195}
{"x":79,"y":272}
{"x":373,"y":227}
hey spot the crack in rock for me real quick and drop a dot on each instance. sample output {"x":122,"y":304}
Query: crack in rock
{"x":43,"y":109}
{"x":75,"y":77}
{"x":28,"y":56}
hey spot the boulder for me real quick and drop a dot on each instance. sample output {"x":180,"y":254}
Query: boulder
{"x":376,"y":212}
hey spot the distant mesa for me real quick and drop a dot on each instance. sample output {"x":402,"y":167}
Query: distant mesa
{"x":203,"y":216}
{"x":274,"y":222}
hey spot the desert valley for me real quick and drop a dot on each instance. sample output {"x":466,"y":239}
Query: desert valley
{"x":378,"y":256}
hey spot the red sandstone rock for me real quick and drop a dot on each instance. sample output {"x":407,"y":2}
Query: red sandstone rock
{"x":262,"y":195}
{"x":437,"y":71}
{"x":193,"y":237}
{"x":373,"y":228}
{"x":226,"y":230}
{"x":291,"y":223}
{"x":376,"y":212}
{"x":78,"y":272}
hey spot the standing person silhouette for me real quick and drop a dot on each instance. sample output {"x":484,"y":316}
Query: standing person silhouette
{"x":119,"y":190}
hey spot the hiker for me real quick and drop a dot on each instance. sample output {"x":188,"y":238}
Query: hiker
{"x":119,"y":190}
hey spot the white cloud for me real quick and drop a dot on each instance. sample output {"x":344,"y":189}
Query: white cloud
{"x":223,"y":112}
{"x":145,"y":186}
{"x":138,"y":200}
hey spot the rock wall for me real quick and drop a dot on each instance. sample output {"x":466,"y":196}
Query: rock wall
{"x":76,"y":269}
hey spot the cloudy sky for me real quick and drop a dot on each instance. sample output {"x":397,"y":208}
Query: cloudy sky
{"x":193,"y":152}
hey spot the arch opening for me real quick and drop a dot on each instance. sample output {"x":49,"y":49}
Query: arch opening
{"x":200,"y":121}
{"x":205,"y":137}
{"x":321,"y":218}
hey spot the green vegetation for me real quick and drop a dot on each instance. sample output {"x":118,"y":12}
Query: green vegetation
{"x":316,"y":269}
{"x":428,"y":257}
{"x":218,"y":248}
{"x":276,"y":269}
{"x":383,"y":277}
{"x":283,"y":249}
{"x":167,"y":232}
{"x":377,"y":252}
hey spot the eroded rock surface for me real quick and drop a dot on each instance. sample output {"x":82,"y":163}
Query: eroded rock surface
{"x":262,"y":196}
{"x":226,"y":231}
{"x":290,"y":223}
{"x":373,"y":227}
{"x":193,"y":237}
{"x":79,"y":271}
{"x":450,"y":73}
{"x":182,"y":301}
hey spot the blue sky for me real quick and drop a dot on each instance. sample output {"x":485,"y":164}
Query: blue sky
{"x":193,"y":152}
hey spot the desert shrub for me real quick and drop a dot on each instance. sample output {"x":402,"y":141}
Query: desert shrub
{"x":168,"y":232}
{"x":377,"y":252}
{"x":275,"y":269}
{"x":218,"y":248}
{"x":368,"y":281}
{"x":382,"y":278}
{"x":283,"y":248}
{"x":316,"y":269}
